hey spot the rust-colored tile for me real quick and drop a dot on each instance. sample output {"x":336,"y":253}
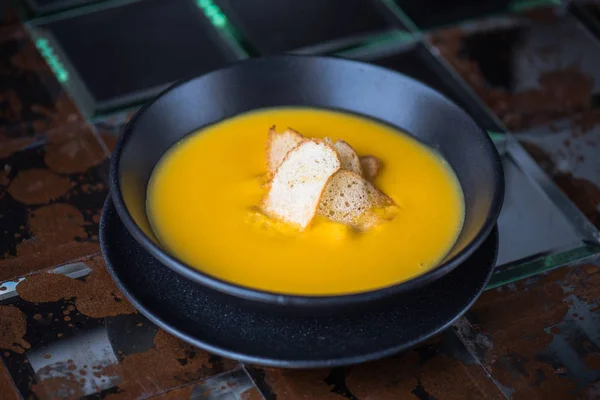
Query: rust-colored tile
{"x":520,"y":323}
{"x":526,"y":76}
{"x":426,"y":372}
{"x":7,"y":386}
{"x":95,"y":296}
{"x":183,"y":393}
{"x":387,"y":379}
{"x":444,"y":377}
{"x":51,"y":196}
{"x":543,"y":86}
{"x":584,"y":193}
{"x":32,"y":101}
{"x":585,"y":281}
{"x":170,"y":363}
{"x":296,"y":384}
{"x":49,"y":311}
{"x":13,"y":327}
{"x":407,"y":375}
{"x":252,"y":394}
{"x":83,"y":337}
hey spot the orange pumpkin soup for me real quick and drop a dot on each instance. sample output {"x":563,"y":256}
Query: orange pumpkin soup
{"x":201,"y":196}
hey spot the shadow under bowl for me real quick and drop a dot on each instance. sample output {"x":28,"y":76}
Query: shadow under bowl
{"x":317,"y":82}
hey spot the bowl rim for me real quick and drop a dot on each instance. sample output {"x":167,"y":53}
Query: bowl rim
{"x":284,"y":299}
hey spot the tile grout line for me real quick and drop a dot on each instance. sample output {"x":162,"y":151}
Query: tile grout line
{"x":399,"y":13}
{"x":196,"y":382}
{"x":458,"y":328}
{"x":249,"y":375}
{"x":98,"y":137}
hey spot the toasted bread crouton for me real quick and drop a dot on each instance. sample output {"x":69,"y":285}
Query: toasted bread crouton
{"x":350,"y":199}
{"x":279,"y":145}
{"x":376,"y":216}
{"x":370,"y":167}
{"x":298,"y":183}
{"x":350,"y":160}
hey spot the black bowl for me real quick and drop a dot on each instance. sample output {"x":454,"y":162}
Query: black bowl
{"x":319,"y":82}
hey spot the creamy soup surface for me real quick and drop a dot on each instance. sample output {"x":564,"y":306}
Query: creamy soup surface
{"x":201,"y":191}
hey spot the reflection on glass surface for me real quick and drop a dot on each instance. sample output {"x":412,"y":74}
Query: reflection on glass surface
{"x":530,"y":223}
{"x":108,"y":68}
{"x":275,"y":26}
{"x":571,"y":148}
{"x":539,"y":227}
{"x":90,"y":348}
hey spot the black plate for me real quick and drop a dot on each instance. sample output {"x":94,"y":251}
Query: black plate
{"x":207,"y":320}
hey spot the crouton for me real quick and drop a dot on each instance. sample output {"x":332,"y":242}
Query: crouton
{"x":297,"y":185}
{"x":279,"y":145}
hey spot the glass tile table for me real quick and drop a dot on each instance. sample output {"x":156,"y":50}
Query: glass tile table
{"x":72,"y":73}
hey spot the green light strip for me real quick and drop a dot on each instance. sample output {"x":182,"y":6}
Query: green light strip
{"x":46,"y":50}
{"x":402,"y":16}
{"x":213,"y":13}
{"x":503,"y":276}
{"x":497,"y":136}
